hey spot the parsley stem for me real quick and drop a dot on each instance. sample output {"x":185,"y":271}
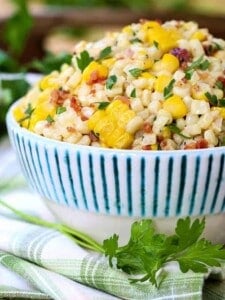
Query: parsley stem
{"x":79,"y":237}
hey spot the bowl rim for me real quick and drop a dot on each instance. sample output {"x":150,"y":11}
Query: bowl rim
{"x":12,"y":123}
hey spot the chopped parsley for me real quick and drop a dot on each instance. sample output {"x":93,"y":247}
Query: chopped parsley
{"x":214,"y":101}
{"x":105,"y":53}
{"x":133,"y":93}
{"x":60,"y":110}
{"x":136,"y":72}
{"x":200,"y":63}
{"x":111,"y":81}
{"x":28,"y":113}
{"x":84,"y":60}
{"x":174,"y":129}
{"x":103,"y":105}
{"x":49,"y":119}
{"x":168,"y":90}
{"x":219,"y":85}
{"x":135,"y":40}
{"x":156,"y":44}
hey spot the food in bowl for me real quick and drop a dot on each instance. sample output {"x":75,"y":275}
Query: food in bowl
{"x":151,"y":86}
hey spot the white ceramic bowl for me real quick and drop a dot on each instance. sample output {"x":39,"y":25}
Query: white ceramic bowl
{"x":102,"y":191}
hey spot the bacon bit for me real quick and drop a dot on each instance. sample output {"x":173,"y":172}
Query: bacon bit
{"x":75,"y":104}
{"x":59,"y":96}
{"x":95,"y":78}
{"x":146,"y":147}
{"x":222,"y":80}
{"x":71,"y":129}
{"x":93,"y":137}
{"x":147,"y":127}
{"x":129,"y":53}
{"x":201,"y":144}
{"x":83,"y":117}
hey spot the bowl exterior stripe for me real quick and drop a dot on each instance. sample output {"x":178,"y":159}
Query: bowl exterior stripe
{"x":142,"y":187}
{"x":117,"y":184}
{"x":70,"y":178}
{"x":183,"y":169}
{"x":92,"y":177}
{"x":81,"y":180}
{"x":206,"y":187}
{"x":195,"y":184}
{"x":169,"y":186}
{"x":219,"y":181}
{"x":104,"y":184}
{"x":156,"y":185}
{"x":129,"y":187}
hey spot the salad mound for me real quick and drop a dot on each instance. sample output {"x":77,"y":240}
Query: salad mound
{"x":151,"y":86}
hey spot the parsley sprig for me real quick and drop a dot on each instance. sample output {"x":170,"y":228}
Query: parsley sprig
{"x":84,"y":60}
{"x":111,"y":81}
{"x":200,"y":63}
{"x":168,"y":90}
{"x":105,"y":53}
{"x":28,"y":113}
{"x":147,"y":251}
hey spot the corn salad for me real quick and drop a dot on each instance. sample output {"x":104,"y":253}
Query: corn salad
{"x":151,"y":86}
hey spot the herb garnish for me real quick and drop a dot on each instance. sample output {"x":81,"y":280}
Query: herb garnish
{"x":174,"y":129}
{"x":105,"y":53}
{"x":147,"y":251}
{"x":213,"y":100}
{"x":168,"y":90}
{"x":28,"y":113}
{"x":136,"y":72}
{"x":103,"y":105}
{"x":84,"y":60}
{"x":156,"y":44}
{"x":60,"y":110}
{"x":200,"y":63}
{"x":135,"y":40}
{"x":111,"y":81}
{"x":133,"y":93}
{"x":49,"y":119}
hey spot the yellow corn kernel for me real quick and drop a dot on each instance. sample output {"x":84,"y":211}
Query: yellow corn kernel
{"x":101,"y":71}
{"x":166,"y":133}
{"x":166,"y":38}
{"x":199,"y":35}
{"x":49,"y":81}
{"x":161,"y":82}
{"x":148,"y":63}
{"x":154,"y":147}
{"x":108,"y":62}
{"x":147,"y":75}
{"x":197,"y":93}
{"x":150,"y":24}
{"x":221,"y":110}
{"x":110,"y":125}
{"x":116,"y":107}
{"x":127,"y":29}
{"x":169,"y":63}
{"x":41,"y":112}
{"x":95,"y":118}
{"x":175,"y":106}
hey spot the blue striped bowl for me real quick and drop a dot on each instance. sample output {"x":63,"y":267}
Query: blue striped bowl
{"x":121,"y":183}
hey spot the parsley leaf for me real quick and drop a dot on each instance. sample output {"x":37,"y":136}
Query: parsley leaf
{"x":200,"y":63}
{"x":49,"y":119}
{"x":214,"y":101}
{"x":156,"y":44}
{"x":111,"y":81}
{"x":147,"y":251}
{"x":133,"y":93}
{"x":168,"y":90}
{"x":103,"y":105}
{"x":28,"y":113}
{"x":60,"y":110}
{"x":84,"y":60}
{"x":135,"y":40}
{"x":105,"y":53}
{"x":174,"y":129}
{"x":136,"y":72}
